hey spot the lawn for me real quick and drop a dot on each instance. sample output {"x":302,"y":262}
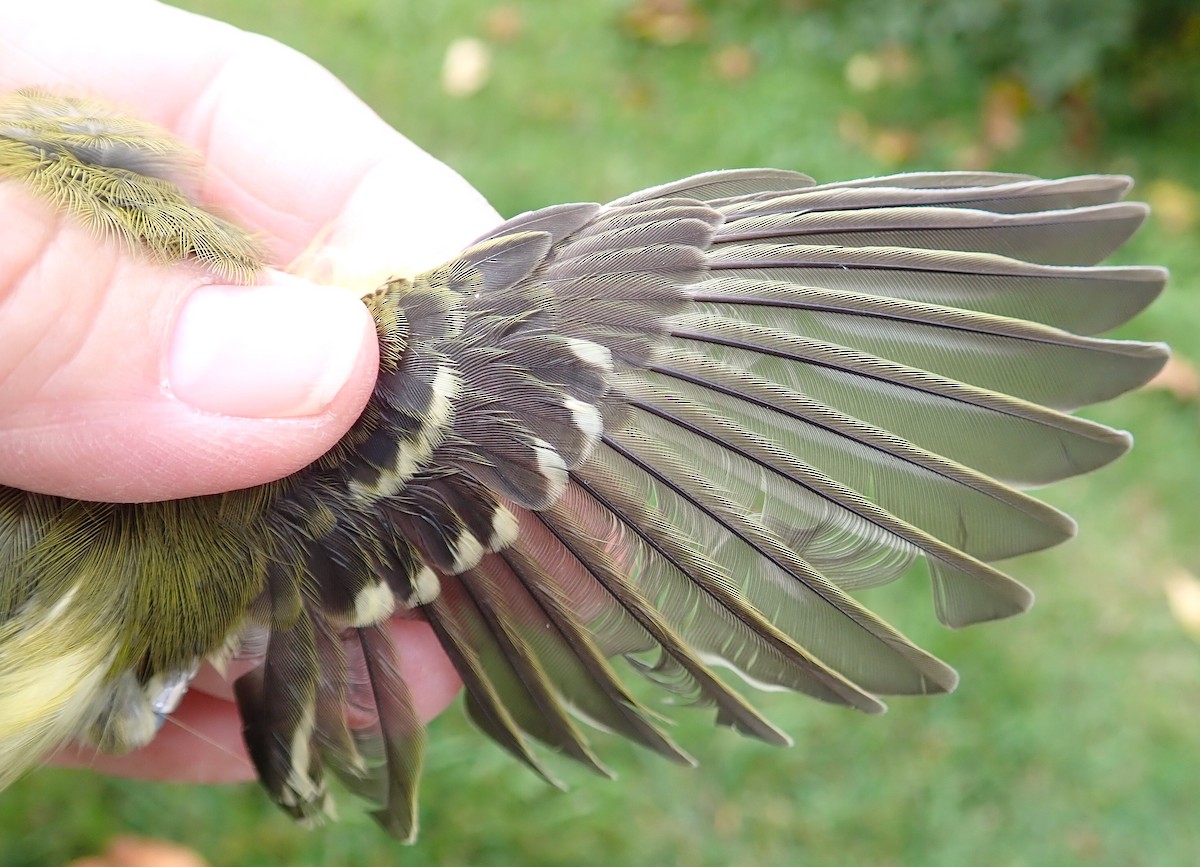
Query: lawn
{"x":1073,"y":737}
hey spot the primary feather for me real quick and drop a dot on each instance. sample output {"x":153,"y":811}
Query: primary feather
{"x":679,"y":429}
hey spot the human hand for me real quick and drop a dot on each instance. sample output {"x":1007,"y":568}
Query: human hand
{"x":126,"y":380}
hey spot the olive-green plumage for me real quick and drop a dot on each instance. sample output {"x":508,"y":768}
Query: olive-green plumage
{"x":679,"y":429}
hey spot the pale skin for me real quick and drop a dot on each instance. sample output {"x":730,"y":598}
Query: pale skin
{"x":115,"y":386}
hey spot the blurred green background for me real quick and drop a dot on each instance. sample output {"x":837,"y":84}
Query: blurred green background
{"x":1075,"y":736}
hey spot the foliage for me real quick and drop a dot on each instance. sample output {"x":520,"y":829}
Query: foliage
{"x":1141,"y":55}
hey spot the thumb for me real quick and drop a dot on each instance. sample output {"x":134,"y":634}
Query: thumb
{"x":126,"y":380}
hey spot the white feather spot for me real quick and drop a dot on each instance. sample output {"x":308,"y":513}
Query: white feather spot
{"x":468,"y":551}
{"x":446,"y":385}
{"x":586,"y":417}
{"x":505,"y":528}
{"x":299,"y":756}
{"x":714,"y":661}
{"x":425,"y":587}
{"x":373,"y":603}
{"x":411,"y":455}
{"x":551,"y":465}
{"x":591,"y":353}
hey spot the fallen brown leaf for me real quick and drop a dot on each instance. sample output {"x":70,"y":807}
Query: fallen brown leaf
{"x":635,"y":94}
{"x":666,"y":22}
{"x":972,"y":158}
{"x":1179,"y":377}
{"x":503,"y":23}
{"x":854,"y":128}
{"x":733,"y":62}
{"x":1003,"y":111}
{"x":898,"y":63}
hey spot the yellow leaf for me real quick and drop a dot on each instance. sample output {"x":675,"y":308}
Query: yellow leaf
{"x":863,"y":72}
{"x":466,"y":67}
{"x":892,"y":146}
{"x":1183,"y":596}
{"x":868,"y":71}
{"x":1173,"y":204}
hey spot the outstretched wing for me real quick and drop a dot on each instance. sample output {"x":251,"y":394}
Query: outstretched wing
{"x":690,"y":423}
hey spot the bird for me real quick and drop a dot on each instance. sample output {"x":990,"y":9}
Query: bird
{"x":667,"y":437}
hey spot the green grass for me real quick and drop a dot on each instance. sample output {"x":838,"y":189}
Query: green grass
{"x":1073,"y":738}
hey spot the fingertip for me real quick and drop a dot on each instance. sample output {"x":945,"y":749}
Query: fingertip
{"x":282,"y":349}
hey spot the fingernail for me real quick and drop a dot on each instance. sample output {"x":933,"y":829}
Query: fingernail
{"x":279,"y":350}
